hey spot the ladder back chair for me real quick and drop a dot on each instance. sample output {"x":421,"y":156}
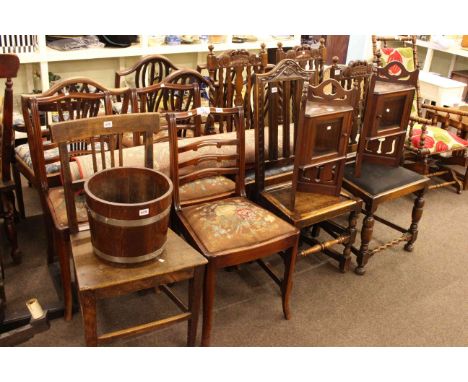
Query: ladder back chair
{"x":377,"y":175}
{"x":437,"y":136}
{"x":102,"y":136}
{"x":307,"y":209}
{"x":227,"y":229}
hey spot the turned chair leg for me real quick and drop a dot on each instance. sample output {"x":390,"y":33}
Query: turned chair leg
{"x":415,"y":218}
{"x":345,"y":261}
{"x":208,"y":303}
{"x":19,"y":191}
{"x":10,"y":227}
{"x":366,"y":237}
{"x":289,"y":259}
{"x":62,"y":246}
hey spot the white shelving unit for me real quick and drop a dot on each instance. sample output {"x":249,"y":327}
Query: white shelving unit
{"x":454,"y":51}
{"x":45,"y":55}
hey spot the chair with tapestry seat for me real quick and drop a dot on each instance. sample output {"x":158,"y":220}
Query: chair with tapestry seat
{"x":163,"y":98}
{"x":308,"y":57}
{"x":356,"y":74}
{"x":226,"y":228}
{"x":65,"y":205}
{"x":52,"y":109}
{"x":300,"y":183}
{"x":42,"y":164}
{"x":440,"y":140}
{"x":231,"y":73}
{"x":9,"y":66}
{"x":377,"y":175}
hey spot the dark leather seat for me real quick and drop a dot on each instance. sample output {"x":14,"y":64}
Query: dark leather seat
{"x":377,"y":179}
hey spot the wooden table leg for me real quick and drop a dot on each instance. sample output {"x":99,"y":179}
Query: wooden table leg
{"x":415,"y":218}
{"x":208,"y":302}
{"x":346,"y":260}
{"x":366,"y":237}
{"x":88,"y":310}
{"x":195,"y":288}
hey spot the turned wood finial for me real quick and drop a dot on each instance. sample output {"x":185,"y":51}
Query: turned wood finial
{"x":263,"y":46}
{"x":335,"y":60}
{"x":210,"y":48}
{"x":322,"y":42}
{"x":280,"y":45}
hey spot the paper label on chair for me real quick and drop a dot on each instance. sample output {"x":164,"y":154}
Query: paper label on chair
{"x":203,"y":111}
{"x":337,"y":72}
{"x":163,"y":86}
{"x":107,"y":124}
{"x":274,"y":90}
{"x":144,"y":212}
{"x":219,"y":110}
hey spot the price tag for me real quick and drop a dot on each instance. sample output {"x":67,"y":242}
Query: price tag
{"x":337,"y":72}
{"x":219,"y":110}
{"x":274,"y":90}
{"x":203,"y":111}
{"x":107,"y":124}
{"x":143,"y":212}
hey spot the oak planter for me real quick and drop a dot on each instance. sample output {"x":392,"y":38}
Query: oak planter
{"x":128,"y":211}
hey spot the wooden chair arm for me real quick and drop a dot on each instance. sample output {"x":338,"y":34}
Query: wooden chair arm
{"x":449,"y":110}
{"x":424,"y":121}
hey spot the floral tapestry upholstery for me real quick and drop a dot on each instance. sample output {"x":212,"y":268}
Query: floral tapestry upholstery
{"x":57,"y":199}
{"x":206,"y":187}
{"x":82,"y":167}
{"x":23,"y":153}
{"x":234,"y":223}
{"x":437,"y":140}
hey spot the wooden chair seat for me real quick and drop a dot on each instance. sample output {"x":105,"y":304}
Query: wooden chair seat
{"x":59,"y":209}
{"x":380,"y":179}
{"x":310,"y":208}
{"x":206,"y":187}
{"x":220,"y":226}
{"x":437,"y":140}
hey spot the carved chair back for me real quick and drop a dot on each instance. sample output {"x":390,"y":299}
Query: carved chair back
{"x":381,"y":48}
{"x":388,"y":110}
{"x":308,"y":57}
{"x":207,"y":157}
{"x":103,"y":136}
{"x":190,"y":76}
{"x":169,"y":97}
{"x":231,"y":73}
{"x":356,"y":74}
{"x":324,"y":124}
{"x":148,"y":71}
{"x":9,"y":65}
{"x":277,"y":101}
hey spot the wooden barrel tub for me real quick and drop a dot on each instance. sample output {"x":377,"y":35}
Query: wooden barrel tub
{"x":128,"y":211}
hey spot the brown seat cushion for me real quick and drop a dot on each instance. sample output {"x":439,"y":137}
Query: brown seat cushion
{"x":206,"y":187}
{"x":234,"y":223}
{"x":57,"y":199}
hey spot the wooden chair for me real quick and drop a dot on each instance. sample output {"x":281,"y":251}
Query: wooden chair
{"x":168,"y":97}
{"x":231,"y":73}
{"x":308,"y":57}
{"x":377,"y":175}
{"x":439,"y":140}
{"x":225,"y":227}
{"x":65,"y":205}
{"x":148,"y":71}
{"x":9,"y":65}
{"x":280,"y":182}
{"x":53,"y":107}
{"x":356,"y":74}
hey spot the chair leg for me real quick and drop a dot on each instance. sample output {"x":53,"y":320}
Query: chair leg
{"x":286,"y":288}
{"x":315,"y":231}
{"x":366,"y":237}
{"x":10,"y":227}
{"x":195,"y":287}
{"x":49,"y":224}
{"x":19,"y":191}
{"x":62,"y":246}
{"x":208,"y":302}
{"x":415,"y":218}
{"x":345,"y":262}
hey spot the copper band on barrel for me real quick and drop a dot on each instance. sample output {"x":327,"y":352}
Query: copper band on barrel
{"x":129,"y":223}
{"x":129,"y":260}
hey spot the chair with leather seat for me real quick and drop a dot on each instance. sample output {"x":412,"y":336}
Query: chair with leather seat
{"x":223,"y":224}
{"x":377,"y":175}
{"x":437,"y":136}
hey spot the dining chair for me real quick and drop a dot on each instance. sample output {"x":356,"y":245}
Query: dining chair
{"x":224,"y":226}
